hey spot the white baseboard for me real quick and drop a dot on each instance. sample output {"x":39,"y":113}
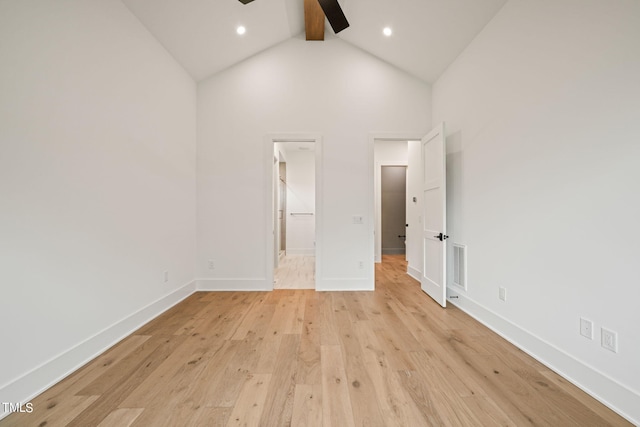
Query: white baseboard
{"x":611,"y":393}
{"x":233,"y":285}
{"x":357,"y":284}
{"x":56,"y":369}
{"x":394,"y":251}
{"x":301,"y":251}
{"x":414,"y":273}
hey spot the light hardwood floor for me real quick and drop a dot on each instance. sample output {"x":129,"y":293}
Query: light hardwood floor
{"x":303,"y":358}
{"x":295,"y":272}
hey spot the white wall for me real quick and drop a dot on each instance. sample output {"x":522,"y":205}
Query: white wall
{"x":543,"y":124}
{"x":329,"y":88}
{"x":301,"y":195}
{"x":97,"y":184}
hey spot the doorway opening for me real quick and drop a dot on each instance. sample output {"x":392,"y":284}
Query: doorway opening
{"x":398,"y":155}
{"x":294,"y":209}
{"x":393,"y":208}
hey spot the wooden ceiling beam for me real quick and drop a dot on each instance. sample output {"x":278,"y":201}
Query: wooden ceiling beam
{"x":313,"y":20}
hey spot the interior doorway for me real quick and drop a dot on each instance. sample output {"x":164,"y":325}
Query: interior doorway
{"x":387,"y":152}
{"x":294,"y":210}
{"x":393,"y":208}
{"x":399,"y":150}
{"x":282,"y":206}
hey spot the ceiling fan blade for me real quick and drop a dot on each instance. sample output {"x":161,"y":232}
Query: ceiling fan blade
{"x":334,"y":14}
{"x":245,"y":1}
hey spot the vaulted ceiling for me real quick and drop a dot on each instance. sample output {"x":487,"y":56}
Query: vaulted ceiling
{"x":427,"y":34}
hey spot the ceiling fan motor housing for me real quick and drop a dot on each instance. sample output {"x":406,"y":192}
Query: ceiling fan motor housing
{"x":332,"y":11}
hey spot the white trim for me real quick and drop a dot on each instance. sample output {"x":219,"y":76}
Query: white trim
{"x":396,"y":136}
{"x":394,"y":251}
{"x":270,"y":139}
{"x":414,"y":273}
{"x":54,"y":370}
{"x":621,"y":399}
{"x":301,"y":251}
{"x":239,"y":285}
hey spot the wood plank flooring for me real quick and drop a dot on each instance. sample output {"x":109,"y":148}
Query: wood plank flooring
{"x":295,"y":272}
{"x":303,"y":358}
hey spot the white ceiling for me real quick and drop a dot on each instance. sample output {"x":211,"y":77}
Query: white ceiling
{"x":427,"y":34}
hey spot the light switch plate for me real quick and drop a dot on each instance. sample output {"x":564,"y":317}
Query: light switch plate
{"x":609,"y":340}
{"x":586,"y":328}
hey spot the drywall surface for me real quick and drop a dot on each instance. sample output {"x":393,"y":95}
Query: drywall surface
{"x":542,"y":119}
{"x":329,"y":88}
{"x":97,"y":184}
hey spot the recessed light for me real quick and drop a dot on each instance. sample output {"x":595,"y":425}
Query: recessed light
{"x":387,"y":31}
{"x":241,"y":30}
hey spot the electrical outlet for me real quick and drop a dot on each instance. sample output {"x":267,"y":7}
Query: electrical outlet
{"x":586,"y":328}
{"x":166,"y":276}
{"x":212,"y":265}
{"x":609,"y":340}
{"x":502,"y":294}
{"x":360,"y":265}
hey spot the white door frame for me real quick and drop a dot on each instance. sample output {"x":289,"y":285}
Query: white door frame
{"x":270,"y":140}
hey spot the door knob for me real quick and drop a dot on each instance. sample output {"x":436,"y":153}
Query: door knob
{"x":441,"y":237}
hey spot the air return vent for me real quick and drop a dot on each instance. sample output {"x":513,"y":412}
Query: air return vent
{"x":460,"y":265}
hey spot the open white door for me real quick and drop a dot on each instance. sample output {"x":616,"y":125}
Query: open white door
{"x":434,"y":216}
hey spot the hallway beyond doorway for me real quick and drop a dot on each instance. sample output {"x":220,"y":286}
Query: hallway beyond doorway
{"x":295,"y":272}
